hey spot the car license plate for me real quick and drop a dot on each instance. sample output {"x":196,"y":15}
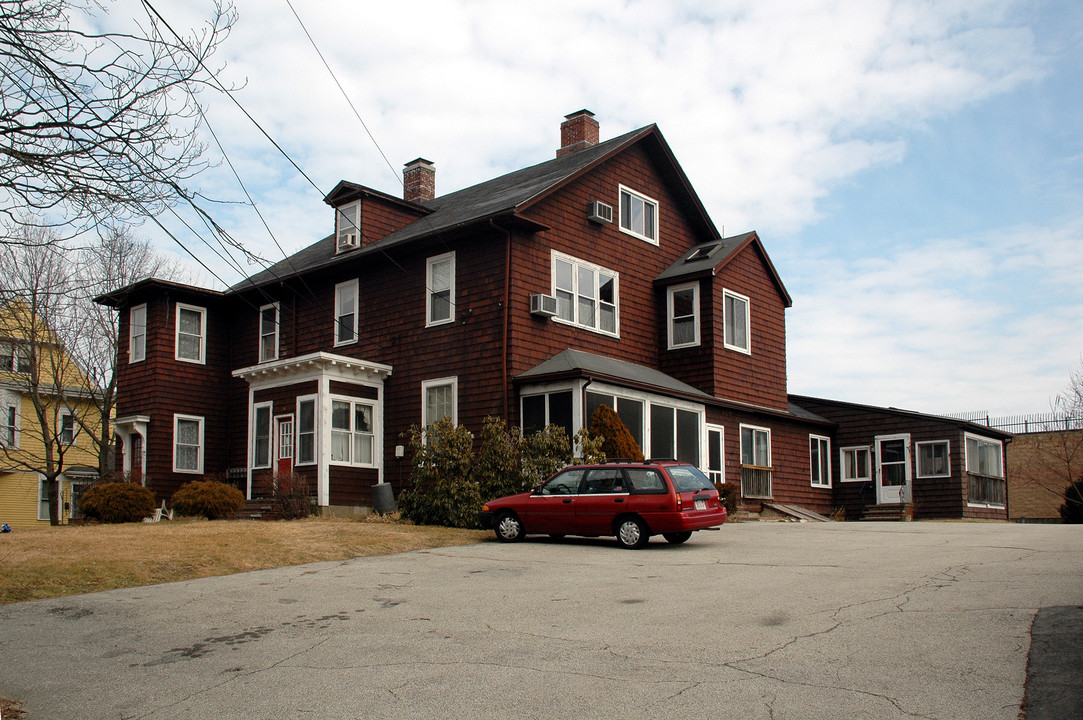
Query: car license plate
{"x":701,"y":504}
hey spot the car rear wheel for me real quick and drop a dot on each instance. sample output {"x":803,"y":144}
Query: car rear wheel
{"x":508,"y":527}
{"x":632,"y":533}
{"x":677,"y":538}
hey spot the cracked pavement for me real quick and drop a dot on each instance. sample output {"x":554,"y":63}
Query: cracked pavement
{"x":757,"y":620}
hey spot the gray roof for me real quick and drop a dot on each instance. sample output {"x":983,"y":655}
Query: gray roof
{"x":704,"y":258}
{"x":490,"y":199}
{"x":579,"y":363}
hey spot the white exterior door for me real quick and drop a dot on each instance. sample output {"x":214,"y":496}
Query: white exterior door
{"x":893,"y":469}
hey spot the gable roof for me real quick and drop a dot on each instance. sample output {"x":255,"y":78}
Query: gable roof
{"x":707,"y":258}
{"x":506,"y":196}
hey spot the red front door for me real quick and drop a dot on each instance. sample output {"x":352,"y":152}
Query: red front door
{"x":284,"y":443}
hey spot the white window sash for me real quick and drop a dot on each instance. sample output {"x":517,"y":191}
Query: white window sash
{"x":440,"y":290}
{"x":184,"y":339}
{"x":137,"y":334}
{"x":346,"y":304}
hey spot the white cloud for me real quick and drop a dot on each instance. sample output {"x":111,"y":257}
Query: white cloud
{"x":936,"y":326}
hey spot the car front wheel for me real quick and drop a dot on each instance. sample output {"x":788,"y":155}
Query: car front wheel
{"x":677,"y":538}
{"x":508,"y":527}
{"x":632,"y":533}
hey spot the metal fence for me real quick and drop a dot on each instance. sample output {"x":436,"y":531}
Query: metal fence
{"x":1033,"y":423}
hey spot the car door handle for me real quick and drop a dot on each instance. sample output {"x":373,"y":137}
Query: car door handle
{"x":567,"y":501}
{"x":618,"y":499}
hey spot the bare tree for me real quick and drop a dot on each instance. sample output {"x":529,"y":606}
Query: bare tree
{"x":118,"y":259}
{"x":97,"y":125}
{"x":37,"y":292}
{"x":1058,"y":454}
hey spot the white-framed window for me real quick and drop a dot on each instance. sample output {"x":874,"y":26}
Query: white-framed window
{"x":674,"y":433}
{"x":439,"y":399}
{"x":638,"y":215}
{"x":587,"y":294}
{"x":540,"y":410}
{"x":682,"y":311}
{"x":346,"y":312}
{"x":191,"y":333}
{"x":15,"y":357}
{"x":268,"y":332}
{"x":348,"y":226}
{"x":137,"y":333}
{"x":9,"y":420}
{"x":261,"y":435}
{"x":67,"y":428}
{"x":756,"y":470}
{"x":819,"y":449}
{"x":716,"y":458}
{"x":984,"y":456}
{"x":736,"y":310}
{"x":856,"y":463}
{"x":188,"y":444}
{"x":440,"y":289}
{"x":933,"y":459}
{"x":755,"y":446}
{"x":352,"y":432}
{"x":306,"y":430}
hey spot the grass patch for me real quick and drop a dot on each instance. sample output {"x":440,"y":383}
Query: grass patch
{"x":53,"y":562}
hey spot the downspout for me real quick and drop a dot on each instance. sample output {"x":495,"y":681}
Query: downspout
{"x":506,"y":319}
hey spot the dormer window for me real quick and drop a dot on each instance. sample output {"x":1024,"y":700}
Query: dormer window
{"x":348,"y":227}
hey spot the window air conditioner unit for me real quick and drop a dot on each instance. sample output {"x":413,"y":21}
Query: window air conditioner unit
{"x":543,"y":305}
{"x":347,"y":241}
{"x":599,"y":212}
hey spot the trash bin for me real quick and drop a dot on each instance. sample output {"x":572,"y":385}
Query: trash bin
{"x":383,"y":498}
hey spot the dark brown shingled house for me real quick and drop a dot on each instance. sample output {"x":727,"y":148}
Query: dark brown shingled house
{"x":595,"y":277}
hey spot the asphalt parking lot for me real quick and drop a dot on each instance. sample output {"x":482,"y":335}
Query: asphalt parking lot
{"x":757,"y":620}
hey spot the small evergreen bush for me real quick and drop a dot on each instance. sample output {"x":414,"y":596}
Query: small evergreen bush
{"x":1072,"y":509}
{"x":209,"y":498}
{"x":117,"y":502}
{"x":617,"y":440}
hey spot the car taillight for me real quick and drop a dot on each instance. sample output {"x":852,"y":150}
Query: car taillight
{"x":678,"y":501}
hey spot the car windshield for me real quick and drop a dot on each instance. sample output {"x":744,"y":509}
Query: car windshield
{"x":688,"y":479}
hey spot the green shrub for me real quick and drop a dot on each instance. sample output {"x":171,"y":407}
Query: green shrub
{"x":617,"y":440}
{"x":442,"y":491}
{"x":497,"y":469}
{"x":117,"y":502}
{"x":543,"y":453}
{"x":209,"y":498}
{"x":1072,"y":509}
{"x":293,"y":496}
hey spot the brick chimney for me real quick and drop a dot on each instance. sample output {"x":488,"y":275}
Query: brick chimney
{"x":419,"y":181}
{"x":578,"y":132}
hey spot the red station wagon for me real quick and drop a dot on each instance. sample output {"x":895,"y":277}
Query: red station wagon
{"x":631,"y":501}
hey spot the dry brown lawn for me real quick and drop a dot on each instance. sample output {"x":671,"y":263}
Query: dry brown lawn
{"x":57,"y":561}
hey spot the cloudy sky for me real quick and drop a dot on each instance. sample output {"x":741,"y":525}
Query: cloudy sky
{"x":915,"y":168}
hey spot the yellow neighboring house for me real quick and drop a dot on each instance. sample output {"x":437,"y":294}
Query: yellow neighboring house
{"x":32,"y":359}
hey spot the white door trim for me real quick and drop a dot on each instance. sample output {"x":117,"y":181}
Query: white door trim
{"x":893,"y":494}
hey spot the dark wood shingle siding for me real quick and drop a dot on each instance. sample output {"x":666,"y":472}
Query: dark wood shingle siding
{"x":944,"y":497}
{"x":760,"y":377}
{"x":161,"y":386}
{"x":637,"y":263}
